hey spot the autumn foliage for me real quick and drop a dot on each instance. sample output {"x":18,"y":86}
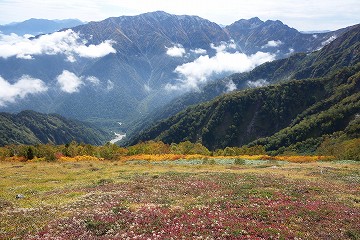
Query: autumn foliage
{"x":148,"y":151}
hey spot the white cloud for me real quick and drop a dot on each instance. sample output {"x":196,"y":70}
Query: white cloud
{"x":69,"y":82}
{"x":272,"y":43}
{"x":96,"y":51}
{"x":198,"y":51}
{"x":224,"y":46}
{"x":193,"y":74}
{"x":326,"y":42}
{"x":66,"y":42}
{"x":110,"y":85}
{"x":332,"y":38}
{"x":230,"y":86}
{"x":93,"y":80}
{"x":176,"y":51}
{"x":26,"y":85}
{"x":71,"y":58}
{"x":257,"y":83}
{"x":28,"y":36}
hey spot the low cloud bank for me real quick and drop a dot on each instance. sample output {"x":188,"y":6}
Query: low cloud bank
{"x":23,"y":87}
{"x":66,"y":42}
{"x":193,"y":74}
{"x":67,"y":81}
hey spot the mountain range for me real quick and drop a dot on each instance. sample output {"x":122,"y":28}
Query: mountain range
{"x":35,"y":26}
{"x":297,"y":66}
{"x":309,"y":96}
{"x":122,"y":68}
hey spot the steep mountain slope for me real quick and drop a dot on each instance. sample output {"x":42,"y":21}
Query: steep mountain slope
{"x":286,"y":113}
{"x":35,"y":26}
{"x":130,"y":80}
{"x":276,"y":37}
{"x":140,"y":56}
{"x":30,"y":127}
{"x":344,"y":51}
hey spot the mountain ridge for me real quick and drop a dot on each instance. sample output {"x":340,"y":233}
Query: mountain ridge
{"x":133,"y":77}
{"x":36,"y":26}
{"x":297,"y":66}
{"x":29,"y":127}
{"x":273,"y":116}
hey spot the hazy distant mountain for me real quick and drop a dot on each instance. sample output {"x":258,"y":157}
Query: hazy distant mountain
{"x":124,"y":67}
{"x":35,"y":26}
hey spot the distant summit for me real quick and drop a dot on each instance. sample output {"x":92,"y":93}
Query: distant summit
{"x":247,"y":24}
{"x":35,"y":26}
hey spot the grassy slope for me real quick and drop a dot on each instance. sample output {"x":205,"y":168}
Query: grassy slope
{"x":100,"y":199}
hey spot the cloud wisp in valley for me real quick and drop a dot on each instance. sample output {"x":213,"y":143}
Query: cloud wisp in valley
{"x":205,"y":68}
{"x":69,"y":82}
{"x":23,"y":87}
{"x":272,"y":43}
{"x":257,"y":83}
{"x":176,"y":51}
{"x":230,"y":86}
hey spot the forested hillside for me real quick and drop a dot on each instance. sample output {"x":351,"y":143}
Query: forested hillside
{"x":326,"y":101}
{"x":29,"y":127}
{"x":342,"y":52}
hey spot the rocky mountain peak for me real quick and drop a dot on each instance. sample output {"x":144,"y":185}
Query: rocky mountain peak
{"x":247,"y":23}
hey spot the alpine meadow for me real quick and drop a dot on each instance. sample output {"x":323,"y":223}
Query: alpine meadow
{"x":161,"y":122}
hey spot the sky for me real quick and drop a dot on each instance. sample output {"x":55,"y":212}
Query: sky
{"x":304,"y":15}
